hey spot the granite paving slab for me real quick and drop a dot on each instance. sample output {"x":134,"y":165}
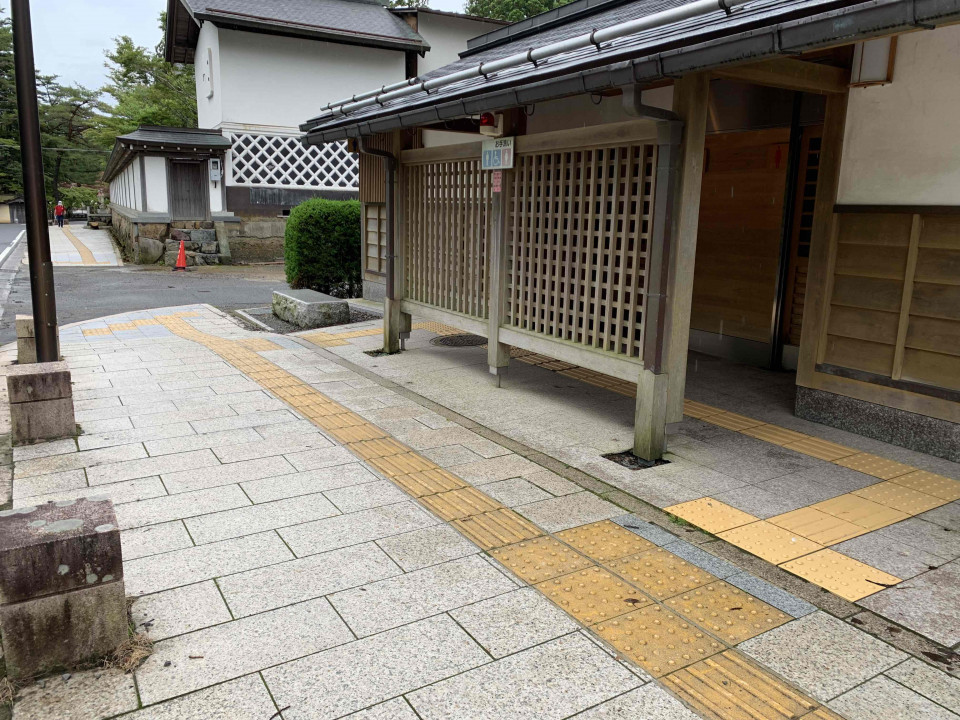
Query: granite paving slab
{"x":881,"y":696}
{"x":429,"y":546}
{"x":890,"y":556}
{"x":650,"y":702}
{"x":178,"y":611}
{"x":97,"y":693}
{"x":569,"y":511}
{"x":307,"y":483}
{"x":257,"y":518}
{"x":173,"y":507}
{"x":154,"y":539}
{"x":930,"y":682}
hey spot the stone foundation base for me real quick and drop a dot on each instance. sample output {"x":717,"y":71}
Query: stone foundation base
{"x":897,"y":427}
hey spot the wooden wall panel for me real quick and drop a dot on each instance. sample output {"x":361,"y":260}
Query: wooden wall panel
{"x":859,"y":354}
{"x":932,"y":368}
{"x":867,"y":293}
{"x":738,"y":244}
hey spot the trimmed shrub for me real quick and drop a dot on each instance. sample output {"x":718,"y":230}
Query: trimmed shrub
{"x":321,"y":247}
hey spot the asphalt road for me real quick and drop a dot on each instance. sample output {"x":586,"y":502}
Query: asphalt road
{"x":92,"y":292}
{"x":9,"y":233}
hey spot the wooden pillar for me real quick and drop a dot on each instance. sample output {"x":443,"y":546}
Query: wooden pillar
{"x":649,"y":425}
{"x":828,"y":180}
{"x":498,"y":354}
{"x":690,"y":98}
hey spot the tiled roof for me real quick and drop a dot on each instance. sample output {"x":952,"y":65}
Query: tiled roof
{"x":183,"y":139}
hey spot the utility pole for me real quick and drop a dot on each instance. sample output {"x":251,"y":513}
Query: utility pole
{"x":34,"y":193}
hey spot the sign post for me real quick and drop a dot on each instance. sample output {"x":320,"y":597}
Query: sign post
{"x":497,"y":157}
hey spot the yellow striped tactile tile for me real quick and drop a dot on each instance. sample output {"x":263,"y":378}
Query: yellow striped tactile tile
{"x":621,"y":598}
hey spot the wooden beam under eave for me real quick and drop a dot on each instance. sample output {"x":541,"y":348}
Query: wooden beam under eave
{"x":790,"y":74}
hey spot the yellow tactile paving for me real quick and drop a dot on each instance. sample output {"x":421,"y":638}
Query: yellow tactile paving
{"x":593,"y":595}
{"x":657,"y":640}
{"x":660,"y":573}
{"x":727,"y":686}
{"x":823,"y":528}
{"x":699,"y":410}
{"x":860,"y":511}
{"x":496,"y":529}
{"x":461,"y":503}
{"x":774,"y":434}
{"x":770,"y":542}
{"x":901,"y":498}
{"x":822,"y":714}
{"x":341,"y":420}
{"x":350,"y":435}
{"x":711,"y":515}
{"x":540,"y":559}
{"x":841,"y":575}
{"x":728,"y":612}
{"x":437,"y":328}
{"x":85,"y":254}
{"x":114,"y":327}
{"x":382,"y":447}
{"x":143,"y":322}
{"x":428,"y":482}
{"x":822,"y":449}
{"x":733,"y":421}
{"x":605,"y":541}
{"x":930,"y":483}
{"x":649,"y":634}
{"x":874,"y":465}
{"x":93,"y":332}
{"x":404,"y":464}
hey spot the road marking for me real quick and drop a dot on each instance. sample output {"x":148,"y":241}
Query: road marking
{"x":5,"y":253}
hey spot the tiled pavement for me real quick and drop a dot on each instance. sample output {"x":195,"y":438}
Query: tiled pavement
{"x":76,"y":245}
{"x":280,"y":573}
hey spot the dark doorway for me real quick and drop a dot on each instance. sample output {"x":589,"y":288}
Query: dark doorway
{"x":188,"y":191}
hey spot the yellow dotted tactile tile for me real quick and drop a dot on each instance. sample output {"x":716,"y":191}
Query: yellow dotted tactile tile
{"x":403,"y":464}
{"x":460,"y":503}
{"x":930,"y":483}
{"x":874,"y":465}
{"x":437,"y":328}
{"x":657,"y":640}
{"x":350,"y":435}
{"x":860,"y":511}
{"x":733,"y":421}
{"x":428,"y":482}
{"x":605,"y":541}
{"x":822,"y":528}
{"x":906,"y":500}
{"x":593,"y":595}
{"x":381,"y":447}
{"x":770,"y":542}
{"x":727,"y":686}
{"x":774,"y":434}
{"x":496,"y":529}
{"x":324,"y":340}
{"x":144,"y":322}
{"x":711,"y":515}
{"x":841,"y":575}
{"x":660,"y":573}
{"x":114,"y":327}
{"x":699,"y":410}
{"x":822,"y":449}
{"x":728,"y":612}
{"x":540,"y":559}
{"x":91,"y":332}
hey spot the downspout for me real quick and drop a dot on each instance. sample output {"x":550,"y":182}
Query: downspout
{"x":389,"y":167}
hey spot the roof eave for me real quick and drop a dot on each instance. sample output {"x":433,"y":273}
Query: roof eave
{"x":234,"y":22}
{"x":797,"y":36}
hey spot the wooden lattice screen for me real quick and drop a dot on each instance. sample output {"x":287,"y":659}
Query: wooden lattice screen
{"x":447,"y":216}
{"x":581,"y":222}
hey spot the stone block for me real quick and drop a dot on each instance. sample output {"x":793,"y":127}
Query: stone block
{"x":203,"y":236}
{"x":62,"y":631}
{"x":151,"y":250}
{"x":205,"y":259}
{"x":40,"y":381}
{"x":310,"y":314}
{"x":58,"y":547}
{"x":170,"y":258}
{"x":62,"y":599}
{"x":25,"y":326}
{"x":208,"y":248}
{"x":26,"y":350}
{"x":43,"y":420}
{"x":157,"y":231}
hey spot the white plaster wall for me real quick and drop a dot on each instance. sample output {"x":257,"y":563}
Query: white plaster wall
{"x":280,"y":82}
{"x":156,"y":176}
{"x":447,"y":37}
{"x":582,"y":111}
{"x":124,"y":188}
{"x":207,"y":74}
{"x":215,"y":190}
{"x":901,"y":141}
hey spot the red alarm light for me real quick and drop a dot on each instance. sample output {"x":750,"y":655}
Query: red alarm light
{"x":488,"y":119}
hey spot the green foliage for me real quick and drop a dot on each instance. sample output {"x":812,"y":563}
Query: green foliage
{"x":510,"y":10}
{"x":407,"y":3}
{"x":322,"y":247}
{"x":146,"y":89}
{"x":78,"y":197}
{"x":10,"y":181}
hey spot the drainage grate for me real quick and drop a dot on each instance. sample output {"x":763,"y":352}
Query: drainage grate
{"x":459,"y":340}
{"x":629,"y":460}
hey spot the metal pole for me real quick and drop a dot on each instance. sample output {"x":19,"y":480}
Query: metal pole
{"x":34,"y":194}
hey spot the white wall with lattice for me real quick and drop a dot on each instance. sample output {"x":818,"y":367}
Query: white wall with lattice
{"x":279,"y":161}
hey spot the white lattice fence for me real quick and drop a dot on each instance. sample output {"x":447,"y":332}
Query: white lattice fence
{"x":279,"y":161}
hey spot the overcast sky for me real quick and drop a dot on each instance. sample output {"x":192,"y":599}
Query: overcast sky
{"x":71,"y":36}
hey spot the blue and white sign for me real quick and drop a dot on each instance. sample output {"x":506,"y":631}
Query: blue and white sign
{"x":497,"y":154}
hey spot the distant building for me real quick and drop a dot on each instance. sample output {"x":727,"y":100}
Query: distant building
{"x":12,"y":210}
{"x":262,"y":68}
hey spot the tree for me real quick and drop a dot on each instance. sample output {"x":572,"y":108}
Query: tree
{"x":68,"y":130}
{"x":78,"y":197}
{"x":511,"y":10}
{"x":407,"y":3}
{"x":146,"y":89}
{"x":10,"y":171}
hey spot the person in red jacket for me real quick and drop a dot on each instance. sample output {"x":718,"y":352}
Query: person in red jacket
{"x":58,"y":213}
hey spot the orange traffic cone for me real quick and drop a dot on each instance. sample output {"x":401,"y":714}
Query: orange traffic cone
{"x":181,"y":258}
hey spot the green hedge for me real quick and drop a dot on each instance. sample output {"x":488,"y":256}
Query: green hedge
{"x":322,"y":247}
